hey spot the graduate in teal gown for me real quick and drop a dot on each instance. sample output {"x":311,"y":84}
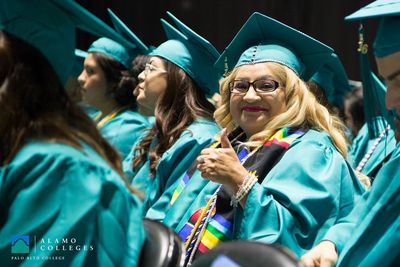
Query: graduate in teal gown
{"x":280,"y":176}
{"x":107,"y":84}
{"x":330,"y":84}
{"x":174,"y":88}
{"x":363,"y":143}
{"x":375,"y":141}
{"x":369,"y":235}
{"x":64,"y":201}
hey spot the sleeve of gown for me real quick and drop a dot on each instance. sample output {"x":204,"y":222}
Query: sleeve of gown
{"x":71,"y":198}
{"x":372,"y":203}
{"x":309,"y":189}
{"x":173,"y":165}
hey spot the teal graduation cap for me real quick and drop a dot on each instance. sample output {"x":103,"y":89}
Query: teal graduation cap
{"x":121,"y":53}
{"x":112,"y":49}
{"x":80,"y":56}
{"x":387,"y":39}
{"x":263,"y":39}
{"x":49,"y":25}
{"x":192,"y":53}
{"x":333,"y":79}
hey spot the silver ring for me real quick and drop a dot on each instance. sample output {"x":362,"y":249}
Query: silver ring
{"x":201,"y":160}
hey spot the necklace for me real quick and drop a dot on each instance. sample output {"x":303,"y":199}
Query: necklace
{"x":372,"y":149}
{"x":101,"y":122}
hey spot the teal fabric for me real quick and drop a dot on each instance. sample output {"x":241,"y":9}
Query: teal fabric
{"x":113,"y":50}
{"x":296,"y":203}
{"x":91,"y":111}
{"x":192,"y":53}
{"x":370,"y":235}
{"x":333,"y":79}
{"x":49,"y":25}
{"x":363,"y":142}
{"x":387,"y":39}
{"x":54,"y":191}
{"x":379,"y":8}
{"x":124,"y":130}
{"x":172,"y":166}
{"x":263,"y":39}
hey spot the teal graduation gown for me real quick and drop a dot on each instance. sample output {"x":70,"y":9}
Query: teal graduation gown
{"x":361,"y":145}
{"x":171,"y":167}
{"x":53,"y":192}
{"x":370,"y":235}
{"x":305,"y":193}
{"x":124,"y":130}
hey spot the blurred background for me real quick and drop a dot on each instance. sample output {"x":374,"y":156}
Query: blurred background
{"x":219,"y":20}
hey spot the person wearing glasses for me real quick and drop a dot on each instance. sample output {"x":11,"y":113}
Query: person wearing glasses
{"x":370,"y":235}
{"x":173,"y":88}
{"x":278,"y":174}
{"x":62,"y":193}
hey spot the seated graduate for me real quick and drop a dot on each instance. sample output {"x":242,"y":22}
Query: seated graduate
{"x":369,"y":235}
{"x":107,"y":85}
{"x":281,"y":176}
{"x":59,"y":178}
{"x":174,"y":88}
{"x":330,"y":83}
{"x":375,"y":141}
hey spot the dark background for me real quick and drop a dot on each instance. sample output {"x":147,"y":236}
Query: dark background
{"x":219,"y":20}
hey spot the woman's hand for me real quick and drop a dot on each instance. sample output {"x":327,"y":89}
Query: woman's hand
{"x":222,"y":165}
{"x":322,"y":255}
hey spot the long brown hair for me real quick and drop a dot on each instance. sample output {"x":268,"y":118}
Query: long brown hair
{"x":182,"y":103}
{"x":34,"y":105}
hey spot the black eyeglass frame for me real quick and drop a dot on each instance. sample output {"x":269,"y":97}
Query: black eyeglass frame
{"x":255,"y":87}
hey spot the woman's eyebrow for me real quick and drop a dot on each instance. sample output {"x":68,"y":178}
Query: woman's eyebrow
{"x":258,"y":78}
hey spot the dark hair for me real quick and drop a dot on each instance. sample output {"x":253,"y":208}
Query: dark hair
{"x":34,"y":105}
{"x":319,"y":93}
{"x":138,"y":65}
{"x":120,"y":81}
{"x":176,"y":110}
{"x":355,"y":102}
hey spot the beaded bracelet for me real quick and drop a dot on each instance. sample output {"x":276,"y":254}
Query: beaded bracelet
{"x":249,"y":181}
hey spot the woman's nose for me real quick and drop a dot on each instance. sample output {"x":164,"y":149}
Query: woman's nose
{"x":251,"y":94}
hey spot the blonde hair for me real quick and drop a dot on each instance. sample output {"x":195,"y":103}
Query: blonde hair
{"x":303,"y":110}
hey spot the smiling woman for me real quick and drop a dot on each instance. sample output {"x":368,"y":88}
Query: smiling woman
{"x":280,"y":176}
{"x":254,"y":108}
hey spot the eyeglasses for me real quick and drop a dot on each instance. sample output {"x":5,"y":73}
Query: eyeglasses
{"x":262,"y":86}
{"x":150,"y":68}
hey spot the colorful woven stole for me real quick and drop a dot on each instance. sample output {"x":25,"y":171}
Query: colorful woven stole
{"x":212,"y":224}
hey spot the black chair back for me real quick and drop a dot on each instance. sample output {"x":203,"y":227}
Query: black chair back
{"x":162,"y":247}
{"x":248,"y":254}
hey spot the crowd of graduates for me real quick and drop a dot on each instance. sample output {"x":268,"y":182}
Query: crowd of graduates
{"x":268,"y":141}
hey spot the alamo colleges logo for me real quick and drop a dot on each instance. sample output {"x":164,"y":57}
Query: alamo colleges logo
{"x":30,"y":248}
{"x":20,"y":244}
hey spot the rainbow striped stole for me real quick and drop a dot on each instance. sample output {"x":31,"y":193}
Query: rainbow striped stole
{"x":220,"y":225}
{"x":284,"y":137}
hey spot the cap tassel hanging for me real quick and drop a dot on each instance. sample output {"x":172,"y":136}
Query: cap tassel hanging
{"x":376,"y":115}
